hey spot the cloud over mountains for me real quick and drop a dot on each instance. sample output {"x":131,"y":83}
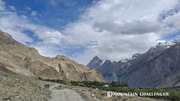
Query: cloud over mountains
{"x":111,"y":29}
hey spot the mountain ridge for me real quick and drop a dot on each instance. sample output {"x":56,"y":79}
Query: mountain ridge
{"x":156,"y":68}
{"x":23,"y":60}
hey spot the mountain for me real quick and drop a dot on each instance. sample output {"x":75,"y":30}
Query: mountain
{"x":96,"y":62}
{"x":19,"y":59}
{"x":159,"y":67}
{"x":106,"y":66}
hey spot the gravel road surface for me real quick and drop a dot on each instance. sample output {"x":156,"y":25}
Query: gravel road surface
{"x":64,"y":95}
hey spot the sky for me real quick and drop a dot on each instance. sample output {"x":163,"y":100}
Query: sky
{"x":82,"y":29}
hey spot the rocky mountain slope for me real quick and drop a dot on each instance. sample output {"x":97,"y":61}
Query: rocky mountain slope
{"x":96,"y":62}
{"x":103,"y":67}
{"x":18,"y":88}
{"x":159,"y":67}
{"x":19,"y":59}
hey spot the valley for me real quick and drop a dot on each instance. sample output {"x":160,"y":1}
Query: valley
{"x":24,"y":72}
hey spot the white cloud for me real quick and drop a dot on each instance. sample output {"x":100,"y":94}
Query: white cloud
{"x":16,"y":25}
{"x":50,"y":36}
{"x":64,"y":2}
{"x":111,"y":29}
{"x":12,"y":8}
{"x":49,"y":39}
{"x":174,"y":21}
{"x":48,"y":50}
{"x":2,"y":5}
{"x":117,"y":47}
{"x":35,"y":13}
{"x":11,"y":23}
{"x":133,"y":27}
{"x":120,"y":28}
{"x":28,"y":8}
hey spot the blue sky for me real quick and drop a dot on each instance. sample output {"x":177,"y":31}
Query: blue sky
{"x":82,"y":29}
{"x":53,"y":13}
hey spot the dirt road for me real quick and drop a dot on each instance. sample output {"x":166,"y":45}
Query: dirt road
{"x":64,"y":95}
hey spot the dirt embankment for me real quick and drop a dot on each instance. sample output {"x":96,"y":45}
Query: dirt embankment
{"x":18,"y":88}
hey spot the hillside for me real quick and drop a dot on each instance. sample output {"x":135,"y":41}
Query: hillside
{"x":19,"y":59}
{"x":19,"y":88}
{"x":159,"y":68}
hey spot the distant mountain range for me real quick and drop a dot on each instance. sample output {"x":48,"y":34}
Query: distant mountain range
{"x":18,"y":59}
{"x":159,"y":67}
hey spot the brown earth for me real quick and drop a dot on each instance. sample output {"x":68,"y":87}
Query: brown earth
{"x":19,"y":59}
{"x":19,"y":88}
